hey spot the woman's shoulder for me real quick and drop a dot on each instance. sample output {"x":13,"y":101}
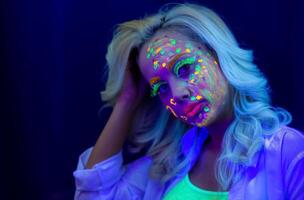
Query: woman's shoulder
{"x":286,"y":136}
{"x":286,"y":142}
{"x":285,"y":162}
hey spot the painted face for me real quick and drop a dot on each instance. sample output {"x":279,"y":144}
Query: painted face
{"x":186,"y":76}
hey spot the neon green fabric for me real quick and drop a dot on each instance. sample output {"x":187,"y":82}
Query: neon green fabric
{"x":186,"y":190}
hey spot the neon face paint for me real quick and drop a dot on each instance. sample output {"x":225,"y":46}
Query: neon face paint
{"x":177,"y":68}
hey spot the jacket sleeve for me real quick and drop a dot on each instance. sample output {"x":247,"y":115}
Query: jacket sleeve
{"x":110,"y":179}
{"x":293,"y":163}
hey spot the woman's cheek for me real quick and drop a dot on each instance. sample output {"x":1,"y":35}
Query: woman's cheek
{"x":172,"y":110}
{"x":199,"y":84}
{"x":170,"y":105}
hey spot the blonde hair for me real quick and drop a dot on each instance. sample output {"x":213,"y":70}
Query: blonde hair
{"x":154,"y":127}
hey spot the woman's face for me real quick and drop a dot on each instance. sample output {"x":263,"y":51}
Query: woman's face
{"x":186,"y":76}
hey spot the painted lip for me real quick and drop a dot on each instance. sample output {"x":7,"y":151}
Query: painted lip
{"x":193,"y":108}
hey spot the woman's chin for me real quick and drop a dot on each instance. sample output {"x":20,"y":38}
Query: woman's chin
{"x":200,"y":121}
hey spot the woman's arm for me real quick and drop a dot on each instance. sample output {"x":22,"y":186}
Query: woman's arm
{"x":113,"y":135}
{"x":112,"y":138}
{"x":100,"y":170}
{"x":293,"y":163}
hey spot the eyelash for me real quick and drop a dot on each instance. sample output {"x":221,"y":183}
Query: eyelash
{"x":187,"y":62}
{"x":155,"y":88}
{"x":185,"y":66}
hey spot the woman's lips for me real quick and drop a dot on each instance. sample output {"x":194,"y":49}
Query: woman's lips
{"x":192,"y":109}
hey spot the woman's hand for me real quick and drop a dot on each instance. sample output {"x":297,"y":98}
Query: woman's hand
{"x":116,"y":130}
{"x":134,"y":86}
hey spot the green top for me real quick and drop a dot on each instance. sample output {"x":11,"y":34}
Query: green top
{"x":186,"y":190}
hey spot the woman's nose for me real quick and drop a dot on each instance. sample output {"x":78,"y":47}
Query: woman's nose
{"x":179,"y":91}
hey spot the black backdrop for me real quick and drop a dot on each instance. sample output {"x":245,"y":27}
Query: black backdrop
{"x":52,"y":58}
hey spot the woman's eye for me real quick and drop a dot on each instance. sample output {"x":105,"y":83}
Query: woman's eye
{"x":183,"y":70}
{"x":182,"y":67}
{"x":162,"y":88}
{"x":159,"y":89}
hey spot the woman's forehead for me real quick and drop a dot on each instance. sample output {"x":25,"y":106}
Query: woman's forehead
{"x":168,"y":44}
{"x":162,"y":50}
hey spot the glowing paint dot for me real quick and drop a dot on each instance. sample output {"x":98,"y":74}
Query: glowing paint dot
{"x":196,"y":72}
{"x":200,"y":60}
{"x":148,"y":55}
{"x":162,"y":52}
{"x":155,"y":64}
{"x":193,"y":98}
{"x":172,"y":101}
{"x":187,"y":50}
{"x":173,"y":41}
{"x":164,"y":65}
{"x":206,"y":109}
{"x":204,"y":67}
{"x":178,"y":50}
{"x":198,"y":97}
{"x":158,"y":50}
{"x":215,"y":62}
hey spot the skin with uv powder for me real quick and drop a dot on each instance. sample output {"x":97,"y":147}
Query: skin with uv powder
{"x":194,"y":68}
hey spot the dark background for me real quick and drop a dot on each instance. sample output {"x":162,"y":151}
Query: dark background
{"x":52,"y":59}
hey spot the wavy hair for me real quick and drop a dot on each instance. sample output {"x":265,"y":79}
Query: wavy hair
{"x":153,"y":126}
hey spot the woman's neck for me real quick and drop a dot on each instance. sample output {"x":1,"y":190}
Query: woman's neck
{"x":216,"y":133}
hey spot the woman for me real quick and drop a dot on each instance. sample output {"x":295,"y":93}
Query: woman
{"x":205,"y":123}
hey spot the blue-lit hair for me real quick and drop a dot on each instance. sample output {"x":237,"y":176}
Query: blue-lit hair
{"x":153,"y":126}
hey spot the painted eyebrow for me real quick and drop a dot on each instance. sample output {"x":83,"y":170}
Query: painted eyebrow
{"x":170,"y":65}
{"x":189,"y":60}
{"x":154,"y":80}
